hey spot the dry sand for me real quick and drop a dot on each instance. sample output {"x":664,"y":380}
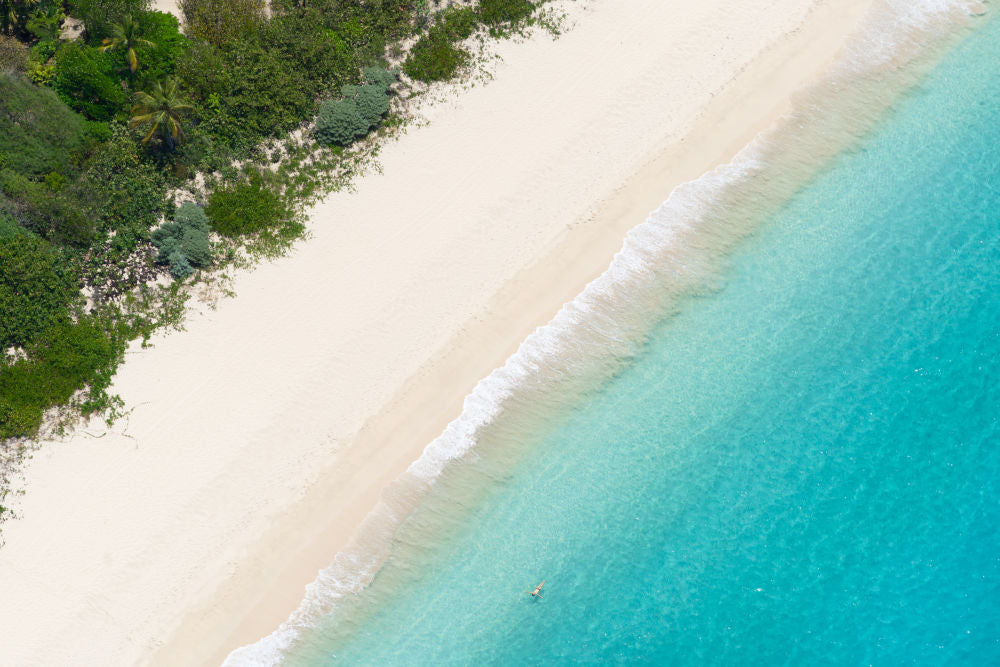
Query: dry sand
{"x":263,"y":434}
{"x":168,"y":7}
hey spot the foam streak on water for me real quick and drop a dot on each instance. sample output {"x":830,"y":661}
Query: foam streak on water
{"x":678,"y":251}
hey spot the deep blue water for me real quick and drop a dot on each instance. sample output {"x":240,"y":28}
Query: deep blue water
{"x":801,"y":467}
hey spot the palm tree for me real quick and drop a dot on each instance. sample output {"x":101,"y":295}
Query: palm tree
{"x":125,"y":35}
{"x":161,"y":110}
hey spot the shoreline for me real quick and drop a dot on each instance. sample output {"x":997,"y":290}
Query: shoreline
{"x":578,"y":257}
{"x":256,"y":583}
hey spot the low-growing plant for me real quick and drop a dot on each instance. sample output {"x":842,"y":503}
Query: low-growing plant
{"x":435,"y":57}
{"x":496,"y":13}
{"x":246,"y":208}
{"x":69,"y":357}
{"x":459,"y":22}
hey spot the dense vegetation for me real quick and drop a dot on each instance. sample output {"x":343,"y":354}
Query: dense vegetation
{"x":99,"y":134}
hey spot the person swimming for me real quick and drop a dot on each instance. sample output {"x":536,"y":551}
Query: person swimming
{"x":537,"y":593}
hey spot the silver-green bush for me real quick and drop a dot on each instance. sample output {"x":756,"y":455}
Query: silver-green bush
{"x":339,"y":122}
{"x":361,"y":108}
{"x":184,"y":243}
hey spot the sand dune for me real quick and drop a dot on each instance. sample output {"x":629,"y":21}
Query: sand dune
{"x":260,"y":436}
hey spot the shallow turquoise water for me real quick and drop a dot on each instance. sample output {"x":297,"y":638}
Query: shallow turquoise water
{"x":802,"y":467}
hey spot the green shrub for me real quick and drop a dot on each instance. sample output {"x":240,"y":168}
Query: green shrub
{"x":39,"y":134}
{"x":434,"y":57}
{"x":498,"y":12}
{"x":258,"y":93}
{"x":37,"y":288}
{"x":325,"y":58}
{"x":70,"y":357}
{"x":191,"y":215}
{"x":184,"y":243}
{"x":127,"y":191}
{"x":246,"y":208}
{"x":196,"y":246}
{"x":339,"y":122}
{"x":459,"y":22}
{"x":86,"y":80}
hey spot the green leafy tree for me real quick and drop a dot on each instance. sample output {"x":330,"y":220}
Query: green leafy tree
{"x":160,"y":61}
{"x":125,"y":36}
{"x":258,"y":92}
{"x":160,"y":110}
{"x":59,"y":216}
{"x":45,"y":20}
{"x":87,"y":81}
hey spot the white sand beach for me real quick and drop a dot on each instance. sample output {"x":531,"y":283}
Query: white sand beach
{"x":260,"y":437}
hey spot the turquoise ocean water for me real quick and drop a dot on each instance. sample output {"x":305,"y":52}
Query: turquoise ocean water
{"x":801,"y":465}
